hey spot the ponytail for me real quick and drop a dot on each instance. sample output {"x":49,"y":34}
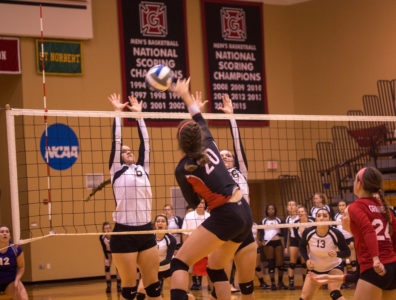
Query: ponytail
{"x":387,"y":211}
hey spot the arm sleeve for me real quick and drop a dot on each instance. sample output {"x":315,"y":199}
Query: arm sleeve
{"x":115,"y":154}
{"x":303,"y":245}
{"x":359,"y":217}
{"x":144,"y":148}
{"x":188,"y":193}
{"x":240,"y":161}
{"x":344,"y":250}
{"x":170,"y":251}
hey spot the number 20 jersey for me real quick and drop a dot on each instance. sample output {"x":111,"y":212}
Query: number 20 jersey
{"x":368,"y":225}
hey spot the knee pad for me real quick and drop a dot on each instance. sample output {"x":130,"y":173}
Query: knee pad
{"x":140,"y":296}
{"x":247,"y":287}
{"x":304,"y":265}
{"x":353,"y":263}
{"x":292,"y":266}
{"x":107,"y":269}
{"x":176,"y":264}
{"x":178,"y":294}
{"x":154,"y":289}
{"x":213,"y":293}
{"x":335,"y":294}
{"x":129,"y":292}
{"x":216,"y":275}
{"x":280,"y":268}
{"x":258,"y":269}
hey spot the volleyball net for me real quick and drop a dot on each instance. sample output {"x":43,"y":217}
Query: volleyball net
{"x":60,"y":179}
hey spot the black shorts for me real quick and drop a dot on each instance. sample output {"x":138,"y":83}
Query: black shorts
{"x":164,"y":274}
{"x":132,"y":242}
{"x":386,"y":282}
{"x":339,"y":267}
{"x":294,"y":242}
{"x":275,"y":243}
{"x":246,"y":242}
{"x":350,"y":240}
{"x":3,"y":286}
{"x":231,"y":221}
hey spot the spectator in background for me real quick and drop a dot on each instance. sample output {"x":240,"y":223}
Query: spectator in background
{"x":174,"y":222}
{"x":105,"y":242}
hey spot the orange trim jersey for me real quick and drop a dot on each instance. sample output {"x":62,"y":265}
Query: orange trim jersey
{"x":212,"y":182}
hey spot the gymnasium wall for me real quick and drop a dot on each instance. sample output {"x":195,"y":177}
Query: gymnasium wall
{"x":321,"y":57}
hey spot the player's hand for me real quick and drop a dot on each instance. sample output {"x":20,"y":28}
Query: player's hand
{"x":135,"y":106}
{"x":115,"y":100}
{"x":227,"y":105}
{"x":310,"y":265}
{"x":198,"y":100}
{"x":346,"y":221}
{"x":16,"y":283}
{"x":378,"y":266}
{"x":181,"y":87}
{"x":332,"y":253}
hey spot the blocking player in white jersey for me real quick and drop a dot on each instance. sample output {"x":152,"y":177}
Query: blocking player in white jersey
{"x":132,"y":193}
{"x":323,"y":248}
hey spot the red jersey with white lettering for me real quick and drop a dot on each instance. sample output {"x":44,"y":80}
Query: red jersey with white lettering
{"x":370,"y":229}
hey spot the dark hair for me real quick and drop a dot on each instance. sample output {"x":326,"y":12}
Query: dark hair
{"x":322,"y":196}
{"x":326,"y":210}
{"x":190,"y":142}
{"x":104,"y":224}
{"x":159,"y":216}
{"x":266,"y":209}
{"x":372,"y":182}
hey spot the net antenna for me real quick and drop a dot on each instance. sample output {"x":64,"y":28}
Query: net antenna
{"x":45,"y":120}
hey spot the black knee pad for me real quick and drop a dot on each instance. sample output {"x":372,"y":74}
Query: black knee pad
{"x":213,"y":293}
{"x":216,"y":275}
{"x":258,"y":269}
{"x":178,"y":294}
{"x":107,"y":269}
{"x":154,"y":289}
{"x":176,"y":264}
{"x":247,"y":288}
{"x":292,"y":266}
{"x":129,"y":292}
{"x":280,"y":268}
{"x":335,"y":294}
{"x":304,"y":265}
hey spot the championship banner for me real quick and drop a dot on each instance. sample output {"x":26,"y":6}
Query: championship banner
{"x":152,"y":33}
{"x":234,"y":54}
{"x":60,"y":57}
{"x":10,"y":62}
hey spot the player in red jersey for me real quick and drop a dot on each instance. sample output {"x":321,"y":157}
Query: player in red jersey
{"x":373,"y":227}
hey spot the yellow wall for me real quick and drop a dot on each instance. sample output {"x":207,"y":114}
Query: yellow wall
{"x":321,"y":57}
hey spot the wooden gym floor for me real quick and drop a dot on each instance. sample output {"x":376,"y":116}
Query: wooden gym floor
{"x":95,"y":289}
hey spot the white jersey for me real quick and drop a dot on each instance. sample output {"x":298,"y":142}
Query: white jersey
{"x":291,"y":220}
{"x":173,"y":223}
{"x":192,"y":220}
{"x":315,"y":209}
{"x":131,"y":186}
{"x":166,"y":248}
{"x":319,"y":247}
{"x":347,"y":235}
{"x":272,"y":234}
{"x":240,"y":172}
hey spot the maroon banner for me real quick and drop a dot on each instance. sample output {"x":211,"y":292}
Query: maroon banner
{"x":10,"y":62}
{"x":234,"y":55}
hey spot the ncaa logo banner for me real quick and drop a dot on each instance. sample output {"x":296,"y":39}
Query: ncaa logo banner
{"x":233,"y":33}
{"x":63,"y":146}
{"x":152,"y":32}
